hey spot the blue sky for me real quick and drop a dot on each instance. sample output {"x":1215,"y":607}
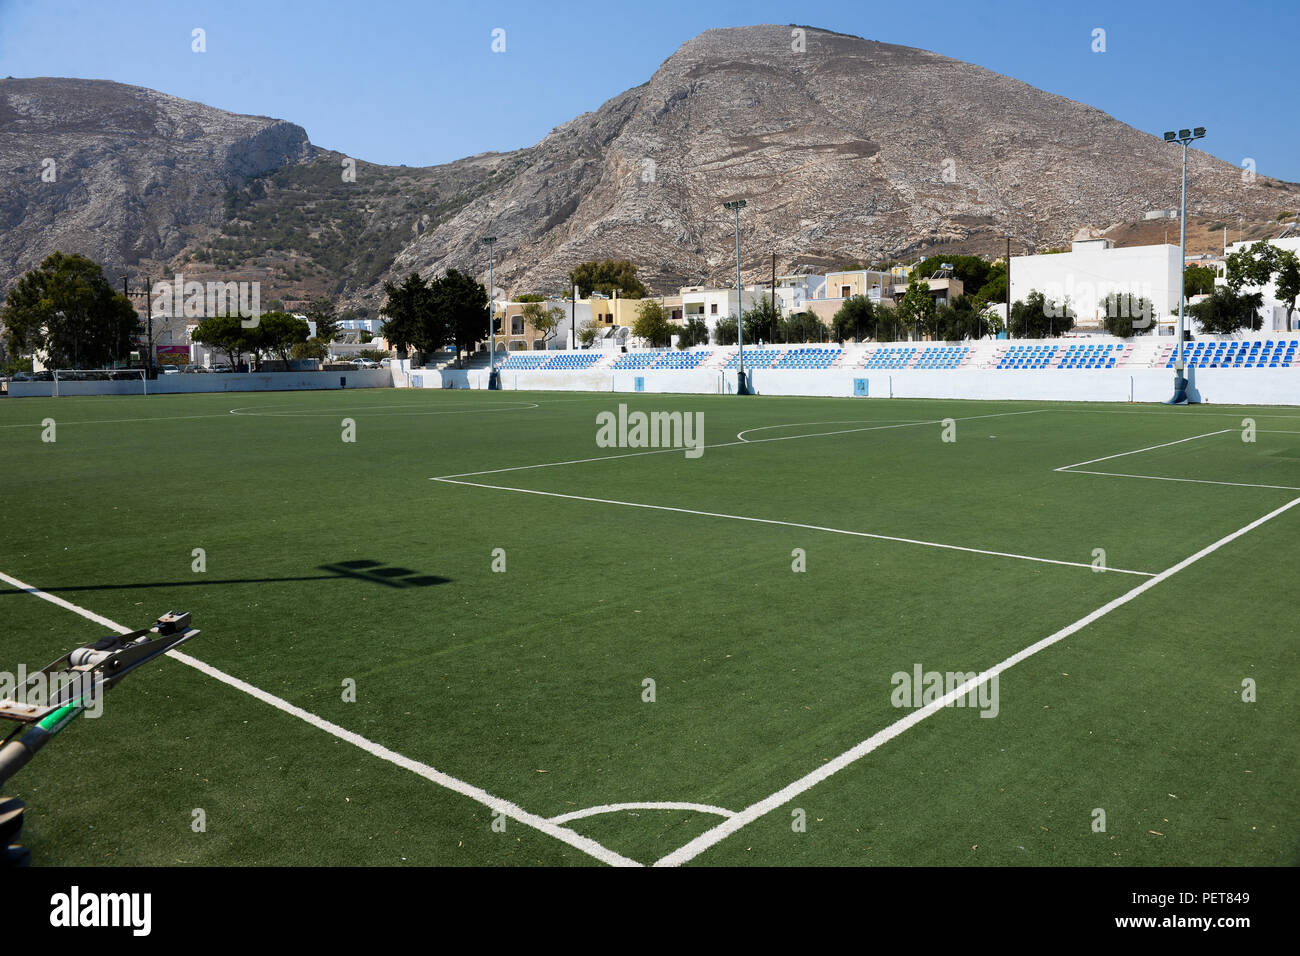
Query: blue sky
{"x":401,"y":81}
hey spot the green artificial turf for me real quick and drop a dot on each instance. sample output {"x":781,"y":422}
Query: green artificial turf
{"x":330,"y":561}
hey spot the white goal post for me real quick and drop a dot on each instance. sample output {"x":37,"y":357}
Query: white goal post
{"x":66,"y":376}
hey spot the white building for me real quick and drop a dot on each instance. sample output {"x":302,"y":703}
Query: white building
{"x":711,"y":305}
{"x":1094,"y":269}
{"x":792,"y":291}
{"x":1273,"y":309}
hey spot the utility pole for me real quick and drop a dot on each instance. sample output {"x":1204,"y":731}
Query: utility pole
{"x":741,"y":387}
{"x":1183,"y":136}
{"x":126,"y":292}
{"x":494,"y":382}
{"x":1008,"y":288}
{"x":773,"y":338}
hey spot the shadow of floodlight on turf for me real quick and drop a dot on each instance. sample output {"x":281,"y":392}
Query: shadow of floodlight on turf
{"x":378,"y":573}
{"x":373,"y":572}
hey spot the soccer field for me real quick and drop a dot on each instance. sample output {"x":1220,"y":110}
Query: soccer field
{"x":563,"y":653}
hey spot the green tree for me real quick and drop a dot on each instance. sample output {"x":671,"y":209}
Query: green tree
{"x":762,"y":321}
{"x":1198,"y":280}
{"x":67,"y":309}
{"x":407,"y":307}
{"x":1127,"y":315}
{"x":855,"y":319}
{"x":1227,"y":310}
{"x":1261,"y":263}
{"x":530,"y":297}
{"x":803,"y":327}
{"x":694,"y":332}
{"x":226,"y":334}
{"x":652,"y":324}
{"x":724,"y":331}
{"x":994,"y":289}
{"x":1252,"y":266}
{"x":459,"y":311}
{"x":1287,"y":273}
{"x":606,"y":276}
{"x":959,"y":319}
{"x":1039,"y":317}
{"x":313,"y":348}
{"x":917,"y":310}
{"x":542,"y":319}
{"x":321,"y":310}
{"x":588,"y":333}
{"x":278,"y":334}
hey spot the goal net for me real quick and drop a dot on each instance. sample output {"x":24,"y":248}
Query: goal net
{"x":68,"y":381}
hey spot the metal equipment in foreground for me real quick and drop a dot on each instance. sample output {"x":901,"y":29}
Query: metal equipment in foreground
{"x":49,"y":700}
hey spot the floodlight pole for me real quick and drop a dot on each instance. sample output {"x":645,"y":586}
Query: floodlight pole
{"x":742,"y":388}
{"x":494,"y":379}
{"x":1183,"y":137}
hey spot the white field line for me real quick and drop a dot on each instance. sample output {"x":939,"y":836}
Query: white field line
{"x":576,"y":840}
{"x":751,"y":813}
{"x":877,"y":426}
{"x":792,"y":524}
{"x":1243,"y":412}
{"x":1139,"y":451}
{"x":729,"y":444}
{"x":660,"y":805}
{"x":114,"y":421}
{"x":1195,"y":481}
{"x":243,"y":411}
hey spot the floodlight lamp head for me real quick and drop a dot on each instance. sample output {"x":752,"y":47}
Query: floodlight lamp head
{"x":1170,"y":136}
{"x":1198,"y":132}
{"x":488,"y":240}
{"x":1184,"y":134}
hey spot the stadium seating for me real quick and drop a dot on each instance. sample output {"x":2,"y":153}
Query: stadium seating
{"x":890,"y":357}
{"x":755,"y":358}
{"x":808,"y":358}
{"x":525,"y":362}
{"x":1027,"y":357}
{"x":942,"y":357}
{"x":1255,"y":354}
{"x":573,"y":362}
{"x":661,"y":360}
{"x":1106,"y":355}
{"x":547,"y":362}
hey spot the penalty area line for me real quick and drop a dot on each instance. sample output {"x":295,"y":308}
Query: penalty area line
{"x":796,"y":524}
{"x":477,"y":794}
{"x":1138,"y":451}
{"x":695,"y":847}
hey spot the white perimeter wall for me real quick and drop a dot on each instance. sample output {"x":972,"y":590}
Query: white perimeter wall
{"x":1224,"y":386}
{"x":214,"y":382}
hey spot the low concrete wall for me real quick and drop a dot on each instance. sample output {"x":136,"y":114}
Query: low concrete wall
{"x":1223,"y":386}
{"x":215,"y":382}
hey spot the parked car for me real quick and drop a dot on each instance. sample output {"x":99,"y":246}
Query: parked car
{"x":221,"y":368}
{"x":364,"y":363}
{"x":195,"y":369}
{"x":168,"y":370}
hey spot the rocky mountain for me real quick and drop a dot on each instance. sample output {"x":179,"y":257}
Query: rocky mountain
{"x":118,"y":172}
{"x":844,"y":149}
